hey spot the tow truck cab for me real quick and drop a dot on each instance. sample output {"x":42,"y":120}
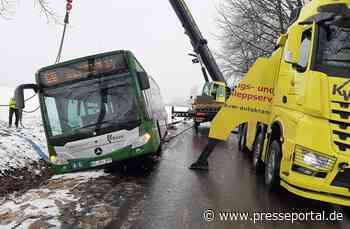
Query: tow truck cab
{"x":218,"y":91}
{"x":206,"y":106}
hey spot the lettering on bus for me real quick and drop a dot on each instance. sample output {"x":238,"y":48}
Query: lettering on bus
{"x":83,"y":69}
{"x":114,"y":138}
{"x":52,"y":77}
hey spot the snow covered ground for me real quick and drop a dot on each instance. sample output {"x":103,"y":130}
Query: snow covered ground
{"x":21,"y":146}
{"x":42,"y":205}
{"x":46,"y":205}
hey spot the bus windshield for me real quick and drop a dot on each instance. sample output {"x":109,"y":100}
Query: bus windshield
{"x":91,"y":107}
{"x":333,"y":56}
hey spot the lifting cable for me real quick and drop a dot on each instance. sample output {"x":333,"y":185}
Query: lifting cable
{"x":29,"y":112}
{"x":66,"y":22}
{"x":24,"y":100}
{"x":58,"y":58}
{"x":177,"y":135}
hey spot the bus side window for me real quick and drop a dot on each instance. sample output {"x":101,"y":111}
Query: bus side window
{"x":147,"y":103}
{"x":145,"y":93}
{"x":138,"y":67}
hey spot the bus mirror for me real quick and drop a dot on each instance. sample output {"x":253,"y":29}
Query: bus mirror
{"x":143,"y":80}
{"x":292,"y":49}
{"x":19,"y":94}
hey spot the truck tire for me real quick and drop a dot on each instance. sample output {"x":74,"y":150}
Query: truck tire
{"x":258,"y":146}
{"x":242,"y":136}
{"x":273,"y":165}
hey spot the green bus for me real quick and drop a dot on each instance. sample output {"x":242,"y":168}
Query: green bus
{"x":97,"y":110}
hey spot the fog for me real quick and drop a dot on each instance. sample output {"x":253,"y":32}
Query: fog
{"x":150,"y":29}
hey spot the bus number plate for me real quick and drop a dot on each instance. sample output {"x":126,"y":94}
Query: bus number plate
{"x":101,"y":162}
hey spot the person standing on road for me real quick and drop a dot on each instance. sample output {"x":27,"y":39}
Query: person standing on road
{"x":13,"y":110}
{"x":202,"y":161}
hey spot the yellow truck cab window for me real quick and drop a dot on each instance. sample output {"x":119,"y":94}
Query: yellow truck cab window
{"x":206,"y":89}
{"x":220,"y":93}
{"x":214,"y":91}
{"x":333,"y":50}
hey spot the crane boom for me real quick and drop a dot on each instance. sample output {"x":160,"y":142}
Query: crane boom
{"x":198,"y":42}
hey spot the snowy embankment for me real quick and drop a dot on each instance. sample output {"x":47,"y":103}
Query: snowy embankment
{"x":42,"y":207}
{"x":29,"y":196}
{"x":79,"y":200}
{"x":19,"y":147}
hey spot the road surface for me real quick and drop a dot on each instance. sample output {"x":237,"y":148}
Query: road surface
{"x":175,"y":197}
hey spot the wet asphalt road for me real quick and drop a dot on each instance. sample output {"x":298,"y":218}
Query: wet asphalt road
{"x":176,"y":197}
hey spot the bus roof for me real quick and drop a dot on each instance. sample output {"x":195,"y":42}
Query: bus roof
{"x":62,"y":64}
{"x":50,"y":79}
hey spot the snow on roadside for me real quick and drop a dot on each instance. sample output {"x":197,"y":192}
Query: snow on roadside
{"x":16,"y":145}
{"x":43,"y":204}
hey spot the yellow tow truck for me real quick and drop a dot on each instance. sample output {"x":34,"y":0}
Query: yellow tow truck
{"x":293,"y":109}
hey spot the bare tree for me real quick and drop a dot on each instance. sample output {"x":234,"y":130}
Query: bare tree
{"x":45,"y":8}
{"x":249,"y":29}
{"x":7,"y":9}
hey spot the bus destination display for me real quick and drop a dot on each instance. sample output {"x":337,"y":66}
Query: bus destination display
{"x":83,"y":69}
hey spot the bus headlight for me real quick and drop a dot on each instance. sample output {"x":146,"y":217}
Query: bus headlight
{"x":57,"y":160}
{"x":314,"y":160}
{"x":142,"y":140}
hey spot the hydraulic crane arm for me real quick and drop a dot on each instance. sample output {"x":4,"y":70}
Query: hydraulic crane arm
{"x":197,"y":40}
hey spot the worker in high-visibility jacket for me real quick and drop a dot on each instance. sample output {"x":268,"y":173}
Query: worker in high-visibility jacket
{"x":13,"y":110}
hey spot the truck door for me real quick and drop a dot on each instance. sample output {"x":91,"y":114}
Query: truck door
{"x":286,"y":90}
{"x":300,"y":76}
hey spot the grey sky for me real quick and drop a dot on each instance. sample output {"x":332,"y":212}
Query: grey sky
{"x":148,"y":28}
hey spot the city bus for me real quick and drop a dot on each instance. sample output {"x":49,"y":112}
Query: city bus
{"x":97,"y":110}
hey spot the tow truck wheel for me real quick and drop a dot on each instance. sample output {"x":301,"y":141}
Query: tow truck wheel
{"x":257,"y":150}
{"x":272,"y":168}
{"x":242,"y":136}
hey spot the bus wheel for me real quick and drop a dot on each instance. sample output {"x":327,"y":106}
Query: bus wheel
{"x":257,"y":150}
{"x":272,"y":168}
{"x":242,"y":136}
{"x":159,"y":131}
{"x":159,"y":150}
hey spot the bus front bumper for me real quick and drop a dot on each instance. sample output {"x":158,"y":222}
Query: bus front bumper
{"x":75,"y":165}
